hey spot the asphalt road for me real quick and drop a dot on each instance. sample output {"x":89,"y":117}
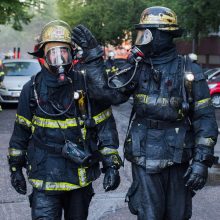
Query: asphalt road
{"x":104,"y":206}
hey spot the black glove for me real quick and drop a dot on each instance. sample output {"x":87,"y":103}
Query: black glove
{"x":18,"y":181}
{"x":196,"y":176}
{"x":83,"y":37}
{"x":111,"y":179}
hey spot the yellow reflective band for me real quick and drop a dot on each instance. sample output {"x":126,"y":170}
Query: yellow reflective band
{"x":209,"y":142}
{"x":15,"y":152}
{"x":14,"y":169}
{"x":23,"y":121}
{"x":107,"y":151}
{"x":202,"y":103}
{"x":36,"y":183}
{"x":102,"y":116}
{"x":83,"y":130}
{"x":114,"y":69}
{"x":2,"y":73}
{"x":82,"y":176}
{"x":108,"y":71}
{"x":142,"y":98}
{"x":49,"y":123}
{"x":55,"y":186}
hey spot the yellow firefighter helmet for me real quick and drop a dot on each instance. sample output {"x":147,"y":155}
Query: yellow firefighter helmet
{"x":55,"y":31}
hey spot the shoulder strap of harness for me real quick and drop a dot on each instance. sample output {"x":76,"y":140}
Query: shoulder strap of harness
{"x":35,"y":80}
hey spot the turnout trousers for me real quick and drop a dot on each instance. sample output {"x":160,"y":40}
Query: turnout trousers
{"x":75,"y":204}
{"x":160,"y":196}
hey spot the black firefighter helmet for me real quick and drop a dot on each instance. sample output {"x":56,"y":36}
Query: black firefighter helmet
{"x":159,"y":17}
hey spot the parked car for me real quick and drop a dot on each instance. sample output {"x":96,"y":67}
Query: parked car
{"x":211,"y":72}
{"x":17,"y":73}
{"x":214,"y":87}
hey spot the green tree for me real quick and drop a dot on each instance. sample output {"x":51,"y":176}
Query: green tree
{"x":18,"y":12}
{"x":197,"y":17}
{"x":110,"y":20}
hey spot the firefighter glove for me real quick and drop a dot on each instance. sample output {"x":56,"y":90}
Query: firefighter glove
{"x":111,"y":179}
{"x":83,"y":37}
{"x":196,"y":176}
{"x":18,"y":181}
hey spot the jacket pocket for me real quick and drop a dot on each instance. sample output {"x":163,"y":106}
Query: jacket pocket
{"x":134,"y":142}
{"x":175,"y":140}
{"x":36,"y":158}
{"x":132,"y":198}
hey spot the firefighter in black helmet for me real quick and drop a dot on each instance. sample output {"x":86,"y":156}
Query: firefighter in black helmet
{"x":171,"y":139}
{"x":60,"y":134}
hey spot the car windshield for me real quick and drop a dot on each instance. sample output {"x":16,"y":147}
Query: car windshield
{"x":211,"y":71}
{"x":21,"y":68}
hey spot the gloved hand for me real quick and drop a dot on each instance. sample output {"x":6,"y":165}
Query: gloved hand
{"x":196,"y":176}
{"x":18,"y":181}
{"x":111,"y":179}
{"x":83,"y":37}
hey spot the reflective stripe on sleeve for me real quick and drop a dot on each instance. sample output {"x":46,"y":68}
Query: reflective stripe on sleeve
{"x":102,"y":116}
{"x":107,"y":151}
{"x":23,"y":121}
{"x":15,"y":152}
{"x":209,"y":142}
{"x":202,"y":103}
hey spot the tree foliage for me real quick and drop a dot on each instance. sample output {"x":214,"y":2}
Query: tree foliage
{"x":110,"y":20}
{"x":18,"y":12}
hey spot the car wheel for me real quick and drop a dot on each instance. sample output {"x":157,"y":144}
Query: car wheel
{"x":216,"y":100}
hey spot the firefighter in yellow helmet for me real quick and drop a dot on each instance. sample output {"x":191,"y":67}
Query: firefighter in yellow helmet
{"x":171,"y":139}
{"x":60,"y":134}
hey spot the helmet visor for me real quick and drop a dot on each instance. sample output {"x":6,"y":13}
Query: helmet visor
{"x":143,"y":37}
{"x":58,"y":56}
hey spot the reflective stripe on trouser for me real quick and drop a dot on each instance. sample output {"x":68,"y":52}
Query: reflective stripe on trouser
{"x":160,"y":196}
{"x":75,"y":204}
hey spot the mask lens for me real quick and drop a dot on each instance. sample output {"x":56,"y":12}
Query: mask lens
{"x":143,"y":37}
{"x":58,"y":56}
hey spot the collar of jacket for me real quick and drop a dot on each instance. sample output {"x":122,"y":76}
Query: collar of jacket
{"x":51,"y":80}
{"x":164,"y":57}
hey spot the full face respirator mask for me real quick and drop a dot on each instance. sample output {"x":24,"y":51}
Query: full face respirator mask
{"x":144,"y":42}
{"x":59,"y":60}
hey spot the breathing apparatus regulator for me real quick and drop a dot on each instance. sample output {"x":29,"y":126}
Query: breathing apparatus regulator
{"x":138,"y":53}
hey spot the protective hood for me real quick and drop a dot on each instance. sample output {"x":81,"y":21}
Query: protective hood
{"x":162,"y":41}
{"x":153,"y":42}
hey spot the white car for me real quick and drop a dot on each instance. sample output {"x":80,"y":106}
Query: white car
{"x":17,"y":73}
